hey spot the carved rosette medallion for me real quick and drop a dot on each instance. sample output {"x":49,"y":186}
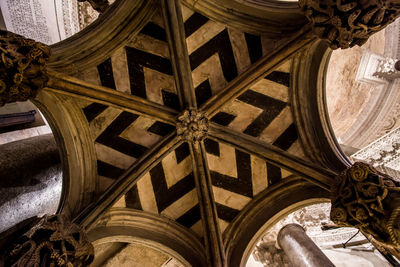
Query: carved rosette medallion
{"x":192,"y":126}
{"x":22,"y":67}
{"x":53,"y":241}
{"x":369,"y":200}
{"x":347,"y":23}
{"x":98,"y":5}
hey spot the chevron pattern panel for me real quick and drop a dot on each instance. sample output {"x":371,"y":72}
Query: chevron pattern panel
{"x":169,"y":189}
{"x":141,"y":68}
{"x":263,"y":111}
{"x":237,"y":177}
{"x":120,"y":138}
{"x":217,"y":54}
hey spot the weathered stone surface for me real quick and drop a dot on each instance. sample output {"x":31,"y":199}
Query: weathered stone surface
{"x":347,"y":23}
{"x":368,"y":200}
{"x":53,"y":241}
{"x":22,"y":67}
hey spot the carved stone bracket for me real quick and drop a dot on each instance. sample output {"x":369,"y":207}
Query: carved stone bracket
{"x":98,"y":5}
{"x":192,"y":125}
{"x":22,"y":67}
{"x":347,"y":23}
{"x":53,"y":241}
{"x":368,"y":200}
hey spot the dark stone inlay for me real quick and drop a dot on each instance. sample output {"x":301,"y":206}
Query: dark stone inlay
{"x":171,"y":100}
{"x":194,"y":23}
{"x":271,"y":108}
{"x":191,"y":217}
{"x":110,"y":137}
{"x":137,"y":60}
{"x":203,"y":92}
{"x":279,"y":77}
{"x":287,"y":138}
{"x":220,"y":44}
{"x":274,"y":174}
{"x":212,"y":147}
{"x":93,"y":110}
{"x":223,"y":118}
{"x":160,"y":128}
{"x":166,"y":196}
{"x":106,"y":74}
{"x":108,"y":170}
{"x":132,"y":199}
{"x":153,"y":30}
{"x":254,"y":46}
{"x":226,"y":213}
{"x":243,"y":183}
{"x":182,"y":152}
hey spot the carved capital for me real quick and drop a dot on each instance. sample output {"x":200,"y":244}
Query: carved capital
{"x":53,"y":241}
{"x":98,"y":5}
{"x":369,"y":200}
{"x":22,"y":67}
{"x":347,"y":23}
{"x":192,"y":125}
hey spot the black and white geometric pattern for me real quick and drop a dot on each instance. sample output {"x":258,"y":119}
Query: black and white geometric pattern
{"x":120,"y":138}
{"x":263,"y":111}
{"x":141,"y":68}
{"x":217,"y":54}
{"x":237,"y":177}
{"x":169,"y":189}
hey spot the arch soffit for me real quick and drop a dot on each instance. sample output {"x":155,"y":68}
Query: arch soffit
{"x":270,"y":18}
{"x":99,"y":40}
{"x":163,"y":234}
{"x":310,"y":110}
{"x":76,"y":148}
{"x":264,"y":211}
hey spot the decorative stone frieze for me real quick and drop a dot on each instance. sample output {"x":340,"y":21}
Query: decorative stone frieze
{"x":369,"y":200}
{"x":22,"y":67}
{"x":386,"y":69}
{"x":53,"y":241}
{"x":347,"y":23}
{"x":192,"y":125}
{"x":98,"y":5}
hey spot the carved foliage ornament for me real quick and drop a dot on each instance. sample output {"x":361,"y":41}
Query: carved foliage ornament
{"x":54,"y":241}
{"x":22,"y":67}
{"x":345,"y":23}
{"x":369,"y":200}
{"x":192,"y":126}
{"x":98,"y":5}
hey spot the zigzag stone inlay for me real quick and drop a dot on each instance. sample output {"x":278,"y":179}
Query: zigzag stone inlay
{"x":237,"y":177}
{"x":120,"y":138}
{"x":169,"y":189}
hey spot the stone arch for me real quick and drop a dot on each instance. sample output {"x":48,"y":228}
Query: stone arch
{"x":77,"y":152}
{"x":160,"y":233}
{"x":265,"y":210}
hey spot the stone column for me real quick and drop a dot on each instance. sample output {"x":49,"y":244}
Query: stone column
{"x":300,"y":249}
{"x":31,"y":179}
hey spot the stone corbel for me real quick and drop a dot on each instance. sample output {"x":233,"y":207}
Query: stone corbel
{"x":52,"y":241}
{"x":22,"y":67}
{"x":347,"y":23}
{"x":369,"y":200}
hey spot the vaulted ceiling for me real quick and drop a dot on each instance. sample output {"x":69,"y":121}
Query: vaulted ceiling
{"x":126,"y":97}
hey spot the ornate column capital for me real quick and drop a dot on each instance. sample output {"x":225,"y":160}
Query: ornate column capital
{"x":347,"y":23}
{"x":369,"y":200}
{"x":53,"y":241}
{"x":22,"y":67}
{"x":98,"y":5}
{"x":192,"y":125}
